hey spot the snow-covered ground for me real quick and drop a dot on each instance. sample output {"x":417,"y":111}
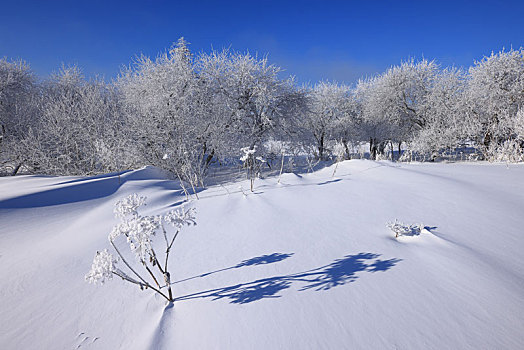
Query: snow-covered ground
{"x":304,"y":264}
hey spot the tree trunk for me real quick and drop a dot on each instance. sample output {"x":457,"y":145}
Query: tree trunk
{"x":209,"y":158}
{"x":346,"y":148}
{"x":381,"y":147}
{"x":16,"y":169}
{"x":321,"y":147}
{"x":372,"y":149}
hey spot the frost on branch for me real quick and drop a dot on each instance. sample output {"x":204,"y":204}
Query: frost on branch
{"x":137,"y":229}
{"x":102,"y":268}
{"x":129,"y":205}
{"x":401,"y":229}
{"x":180,"y":217}
{"x":139,"y":233}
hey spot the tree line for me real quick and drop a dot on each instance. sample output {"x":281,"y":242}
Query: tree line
{"x":182,"y":111}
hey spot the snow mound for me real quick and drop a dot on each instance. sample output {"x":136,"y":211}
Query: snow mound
{"x":306,"y":263}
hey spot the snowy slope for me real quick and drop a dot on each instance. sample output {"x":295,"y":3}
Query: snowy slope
{"x":307,"y":263}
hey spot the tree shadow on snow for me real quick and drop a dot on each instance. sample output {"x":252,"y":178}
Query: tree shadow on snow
{"x":264,"y":259}
{"x":328,"y":182}
{"x":339,"y":272}
{"x":73,"y":193}
{"x":259,"y":260}
{"x":96,"y":177}
{"x":86,"y":188}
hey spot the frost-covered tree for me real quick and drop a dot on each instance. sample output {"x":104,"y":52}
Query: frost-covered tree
{"x":173,"y":113}
{"x":158,"y":95}
{"x":376,"y":127}
{"x":78,"y":131}
{"x":149,"y":238}
{"x":495,"y":94}
{"x":182,"y":112}
{"x":350,"y":128}
{"x":328,"y":104}
{"x":253,"y":101}
{"x":445,"y":125}
{"x":18,"y":111}
{"x":398,"y":98}
{"x":519,"y":124}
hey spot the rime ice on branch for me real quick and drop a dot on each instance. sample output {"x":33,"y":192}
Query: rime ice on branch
{"x":147,"y":271}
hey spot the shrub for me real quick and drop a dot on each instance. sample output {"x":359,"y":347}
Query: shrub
{"x":140,"y":232}
{"x":401,"y":229}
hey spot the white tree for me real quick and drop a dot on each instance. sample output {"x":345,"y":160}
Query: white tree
{"x":495,"y":95}
{"x":328,"y":105}
{"x":253,"y":100}
{"x":158,"y":95}
{"x":18,"y":111}
{"x":350,"y":128}
{"x":173,"y":113}
{"x":395,"y":102}
{"x":519,"y":124}
{"x":376,"y":127}
{"x":78,"y":131}
{"x":445,"y":125}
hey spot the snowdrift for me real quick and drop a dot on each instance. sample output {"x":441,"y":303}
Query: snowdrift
{"x":306,"y":263}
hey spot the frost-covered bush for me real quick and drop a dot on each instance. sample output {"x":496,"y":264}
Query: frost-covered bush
{"x":339,"y":151}
{"x":401,"y":229}
{"x":252,"y":163}
{"x":140,"y":232}
{"x":508,"y":151}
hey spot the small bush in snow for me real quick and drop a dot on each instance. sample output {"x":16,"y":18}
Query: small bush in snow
{"x":139,"y":232}
{"x":339,"y":151}
{"x":401,"y":229}
{"x":252,"y":163}
{"x":508,"y":151}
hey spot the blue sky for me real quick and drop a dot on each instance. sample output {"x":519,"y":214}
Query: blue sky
{"x":313,"y":40}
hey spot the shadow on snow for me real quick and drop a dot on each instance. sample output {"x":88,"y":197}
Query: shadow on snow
{"x":88,"y":188}
{"x":259,"y":260}
{"x":77,"y":192}
{"x":339,"y":272}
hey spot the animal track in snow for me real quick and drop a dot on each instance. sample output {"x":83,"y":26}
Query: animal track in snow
{"x":82,"y":340}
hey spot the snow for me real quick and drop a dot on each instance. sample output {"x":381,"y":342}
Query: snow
{"x":306,"y":263}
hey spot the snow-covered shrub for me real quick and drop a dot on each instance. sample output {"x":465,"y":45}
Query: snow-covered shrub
{"x":339,"y":151}
{"x":252,"y":163}
{"x":140,"y":233}
{"x":401,"y":229}
{"x":407,"y":156}
{"x":509,"y":151}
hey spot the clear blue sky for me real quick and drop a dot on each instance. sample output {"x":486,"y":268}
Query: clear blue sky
{"x":335,"y":40}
